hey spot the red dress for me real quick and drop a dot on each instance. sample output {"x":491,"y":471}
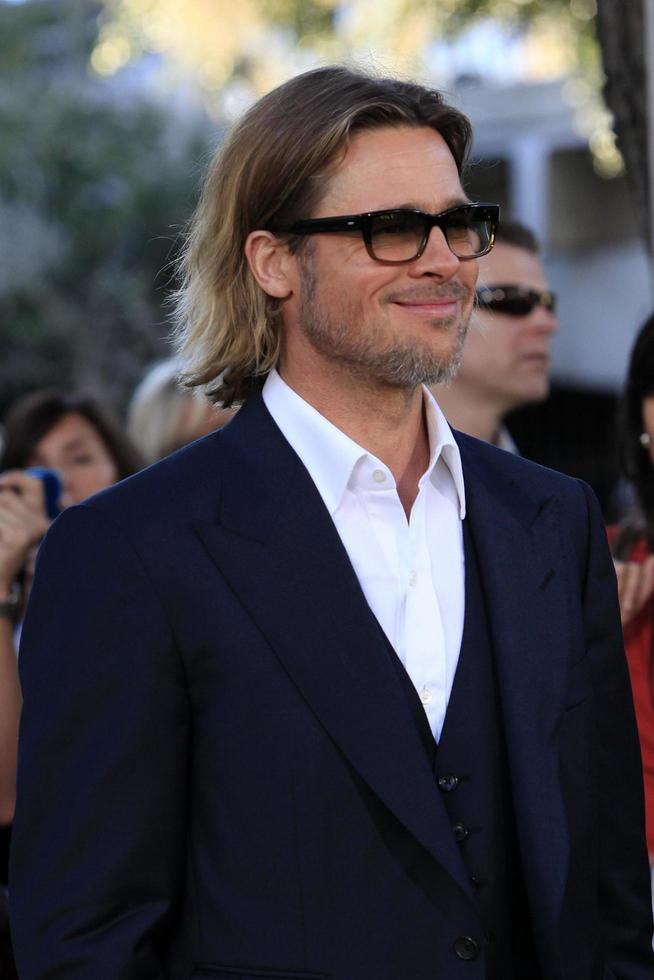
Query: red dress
{"x":638,"y":638}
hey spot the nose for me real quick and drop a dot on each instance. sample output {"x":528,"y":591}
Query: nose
{"x":437,"y":260}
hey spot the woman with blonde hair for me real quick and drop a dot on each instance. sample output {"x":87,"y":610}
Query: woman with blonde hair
{"x":163,"y":416}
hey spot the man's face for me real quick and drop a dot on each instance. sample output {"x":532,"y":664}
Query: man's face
{"x":507,"y":358}
{"x":391,"y":325}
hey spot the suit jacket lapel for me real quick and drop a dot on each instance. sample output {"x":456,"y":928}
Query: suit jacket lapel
{"x":517,"y":539}
{"x":277,"y":546}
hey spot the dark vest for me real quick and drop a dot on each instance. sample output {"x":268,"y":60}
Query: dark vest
{"x":470,"y":767}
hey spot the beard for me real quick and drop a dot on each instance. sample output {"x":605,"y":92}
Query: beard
{"x":368,"y":354}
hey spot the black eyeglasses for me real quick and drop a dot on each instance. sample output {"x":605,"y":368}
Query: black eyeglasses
{"x":401,"y":235}
{"x":515,"y":300}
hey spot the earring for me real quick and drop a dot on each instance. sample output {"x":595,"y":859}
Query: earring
{"x":645,"y":440}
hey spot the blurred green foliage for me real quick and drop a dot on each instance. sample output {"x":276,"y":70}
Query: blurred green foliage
{"x":95,"y":186}
{"x":450,"y":16}
{"x":462,"y":12}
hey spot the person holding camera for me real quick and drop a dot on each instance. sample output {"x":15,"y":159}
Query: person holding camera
{"x":58,"y":450}
{"x":23,"y":522}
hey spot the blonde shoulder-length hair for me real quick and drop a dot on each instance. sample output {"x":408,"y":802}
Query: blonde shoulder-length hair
{"x":270,"y":172}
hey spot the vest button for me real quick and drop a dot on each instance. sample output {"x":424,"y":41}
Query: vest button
{"x":460,"y":832}
{"x":466,"y":948}
{"x":448,"y":783}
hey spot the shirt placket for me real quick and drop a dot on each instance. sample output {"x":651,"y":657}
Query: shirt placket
{"x":424,"y":633}
{"x":389,"y":527}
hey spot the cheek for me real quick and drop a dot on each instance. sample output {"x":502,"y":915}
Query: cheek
{"x":468,"y":310}
{"x":468,"y":275}
{"x":477,"y":355}
{"x":504,"y":341}
{"x":97,"y":477}
{"x":489,"y":351}
{"x":352,"y":297}
{"x":107,"y":473}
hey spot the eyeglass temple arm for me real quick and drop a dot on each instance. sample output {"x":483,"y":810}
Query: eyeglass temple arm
{"x":308,"y":225}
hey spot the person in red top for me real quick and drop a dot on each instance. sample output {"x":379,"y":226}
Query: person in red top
{"x":632,"y":544}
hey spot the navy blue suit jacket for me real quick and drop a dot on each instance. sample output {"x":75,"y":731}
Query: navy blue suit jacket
{"x":218,"y":773}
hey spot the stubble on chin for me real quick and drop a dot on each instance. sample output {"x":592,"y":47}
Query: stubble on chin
{"x":397,"y":365}
{"x":410,"y":365}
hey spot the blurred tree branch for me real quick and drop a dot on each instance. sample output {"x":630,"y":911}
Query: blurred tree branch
{"x":621,"y":31}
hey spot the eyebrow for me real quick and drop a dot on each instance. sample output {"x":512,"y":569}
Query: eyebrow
{"x":456,"y":202}
{"x":79,"y":442}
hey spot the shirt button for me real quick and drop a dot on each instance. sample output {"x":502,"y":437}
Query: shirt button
{"x":379,"y":476}
{"x":466,"y":948}
{"x":413,"y":578}
{"x":426,"y":696}
{"x":448,"y":783}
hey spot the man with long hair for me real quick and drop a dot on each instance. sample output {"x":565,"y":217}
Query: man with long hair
{"x":332,"y":692}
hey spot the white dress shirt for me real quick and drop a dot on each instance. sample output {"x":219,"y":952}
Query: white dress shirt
{"x":411,"y":572}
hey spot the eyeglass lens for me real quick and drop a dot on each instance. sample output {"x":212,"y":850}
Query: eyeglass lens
{"x":515,"y":300}
{"x":397,"y":236}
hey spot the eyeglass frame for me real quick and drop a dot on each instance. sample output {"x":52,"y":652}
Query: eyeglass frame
{"x":538,"y":297}
{"x":362,"y":222}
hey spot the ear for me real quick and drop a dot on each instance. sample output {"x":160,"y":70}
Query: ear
{"x":270,"y":263}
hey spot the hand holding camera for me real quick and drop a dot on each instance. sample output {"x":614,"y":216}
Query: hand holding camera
{"x":26,"y":510}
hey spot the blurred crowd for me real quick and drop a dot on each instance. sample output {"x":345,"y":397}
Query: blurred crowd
{"x":58,"y":448}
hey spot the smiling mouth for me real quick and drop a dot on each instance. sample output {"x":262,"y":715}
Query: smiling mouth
{"x":445,"y":306}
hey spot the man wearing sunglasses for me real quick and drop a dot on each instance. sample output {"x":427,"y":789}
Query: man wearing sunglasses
{"x":506,"y":359}
{"x":334,"y":692}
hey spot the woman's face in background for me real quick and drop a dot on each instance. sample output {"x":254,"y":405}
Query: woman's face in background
{"x":76,"y":450}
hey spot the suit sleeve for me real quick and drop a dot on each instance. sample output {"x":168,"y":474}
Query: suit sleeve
{"x":624,"y":896}
{"x":99,"y":832}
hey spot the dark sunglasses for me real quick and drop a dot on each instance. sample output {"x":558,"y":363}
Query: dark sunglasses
{"x":515,"y":300}
{"x":401,"y":234}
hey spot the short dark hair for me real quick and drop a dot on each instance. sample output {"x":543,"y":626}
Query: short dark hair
{"x":33,"y":416}
{"x":512,"y":232}
{"x":272,"y":170}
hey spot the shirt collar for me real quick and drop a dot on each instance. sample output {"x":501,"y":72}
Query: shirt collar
{"x":443,"y":447}
{"x":330,"y":456}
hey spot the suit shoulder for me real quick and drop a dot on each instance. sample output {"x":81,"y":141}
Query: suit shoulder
{"x":495,"y":464}
{"x":178,"y":484}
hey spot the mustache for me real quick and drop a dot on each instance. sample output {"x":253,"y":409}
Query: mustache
{"x":423,"y":294}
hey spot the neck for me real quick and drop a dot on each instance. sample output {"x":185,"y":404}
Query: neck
{"x":469,"y":411}
{"x":388,"y":422}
